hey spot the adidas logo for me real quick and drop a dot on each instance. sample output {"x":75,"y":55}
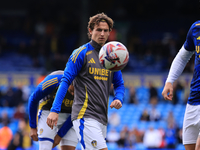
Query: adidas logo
{"x":198,"y":38}
{"x":91,"y":61}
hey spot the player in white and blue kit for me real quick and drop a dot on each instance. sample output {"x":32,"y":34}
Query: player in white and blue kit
{"x":191,"y":124}
{"x":44,"y":96}
{"x":92,"y":84}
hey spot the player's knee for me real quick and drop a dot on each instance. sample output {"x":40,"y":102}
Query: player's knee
{"x":45,"y":145}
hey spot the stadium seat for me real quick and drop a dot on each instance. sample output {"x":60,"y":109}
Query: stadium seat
{"x":112,"y":146}
{"x":142,"y":125}
{"x":140,"y":146}
{"x":9,"y":110}
{"x":14,"y":126}
{"x":180,"y":147}
{"x":162,"y":124}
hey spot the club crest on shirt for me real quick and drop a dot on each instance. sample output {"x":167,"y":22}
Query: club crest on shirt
{"x":94,"y":143}
{"x":41,"y":130}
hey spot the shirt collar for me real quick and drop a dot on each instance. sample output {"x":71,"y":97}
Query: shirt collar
{"x":95,"y":45}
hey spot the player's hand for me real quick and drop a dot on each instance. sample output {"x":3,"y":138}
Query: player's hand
{"x":56,"y":140}
{"x":33,"y":134}
{"x":116,"y":104}
{"x":52,"y":119}
{"x":167,"y":92}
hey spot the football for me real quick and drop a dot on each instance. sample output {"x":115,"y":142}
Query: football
{"x":113,"y":56}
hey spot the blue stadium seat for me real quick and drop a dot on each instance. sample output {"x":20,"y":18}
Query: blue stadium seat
{"x":162,"y":124}
{"x":1,"y":125}
{"x":142,"y":94}
{"x":35,"y":145}
{"x":152,"y":124}
{"x":10,"y":111}
{"x":14,"y":126}
{"x":133,"y":124}
{"x":180,"y":147}
{"x":112,"y":146}
{"x":159,"y":90}
{"x":119,"y":128}
{"x":126,"y":95}
{"x":140,"y":146}
{"x":142,"y":125}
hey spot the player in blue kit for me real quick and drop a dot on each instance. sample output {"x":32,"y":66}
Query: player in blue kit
{"x":191,"y":124}
{"x":44,"y":97}
{"x":92,"y":84}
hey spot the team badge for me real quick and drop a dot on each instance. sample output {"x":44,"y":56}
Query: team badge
{"x":41,"y":130}
{"x":94,"y":143}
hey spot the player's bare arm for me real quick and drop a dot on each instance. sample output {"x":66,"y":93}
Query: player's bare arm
{"x":52,"y":119}
{"x":168,"y":91}
{"x":33,"y":134}
{"x":116,"y":104}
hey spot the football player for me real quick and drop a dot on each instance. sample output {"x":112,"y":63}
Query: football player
{"x":191,"y":123}
{"x":92,"y":84}
{"x":44,"y":97}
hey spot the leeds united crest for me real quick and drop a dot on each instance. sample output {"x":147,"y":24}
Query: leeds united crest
{"x":94,"y":143}
{"x":41,"y":130}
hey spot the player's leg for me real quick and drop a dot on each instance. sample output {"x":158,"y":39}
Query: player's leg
{"x":198,"y":143}
{"x":45,"y":145}
{"x":189,"y":146}
{"x":90,"y":134}
{"x":45,"y":133}
{"x":104,"y":132}
{"x":69,"y":141}
{"x":65,"y":147}
{"x":191,"y":126}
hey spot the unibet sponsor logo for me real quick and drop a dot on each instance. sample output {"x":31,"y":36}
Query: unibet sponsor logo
{"x":99,"y":71}
{"x":100,"y":74}
{"x":91,"y":61}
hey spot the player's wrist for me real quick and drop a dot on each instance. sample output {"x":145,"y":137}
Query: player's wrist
{"x":118,"y":100}
{"x":54,"y":111}
{"x":59,"y":135}
{"x":33,"y":126}
{"x":169,"y":81}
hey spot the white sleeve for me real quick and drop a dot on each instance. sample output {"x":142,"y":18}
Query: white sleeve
{"x":179,"y":64}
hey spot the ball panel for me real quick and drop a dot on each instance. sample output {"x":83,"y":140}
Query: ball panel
{"x":114,"y":56}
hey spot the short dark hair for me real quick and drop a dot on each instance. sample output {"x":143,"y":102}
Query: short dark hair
{"x":96,"y":19}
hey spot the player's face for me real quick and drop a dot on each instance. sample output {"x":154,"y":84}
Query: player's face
{"x":100,"y":33}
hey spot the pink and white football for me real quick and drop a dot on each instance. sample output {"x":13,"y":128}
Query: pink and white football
{"x":113,"y":56}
